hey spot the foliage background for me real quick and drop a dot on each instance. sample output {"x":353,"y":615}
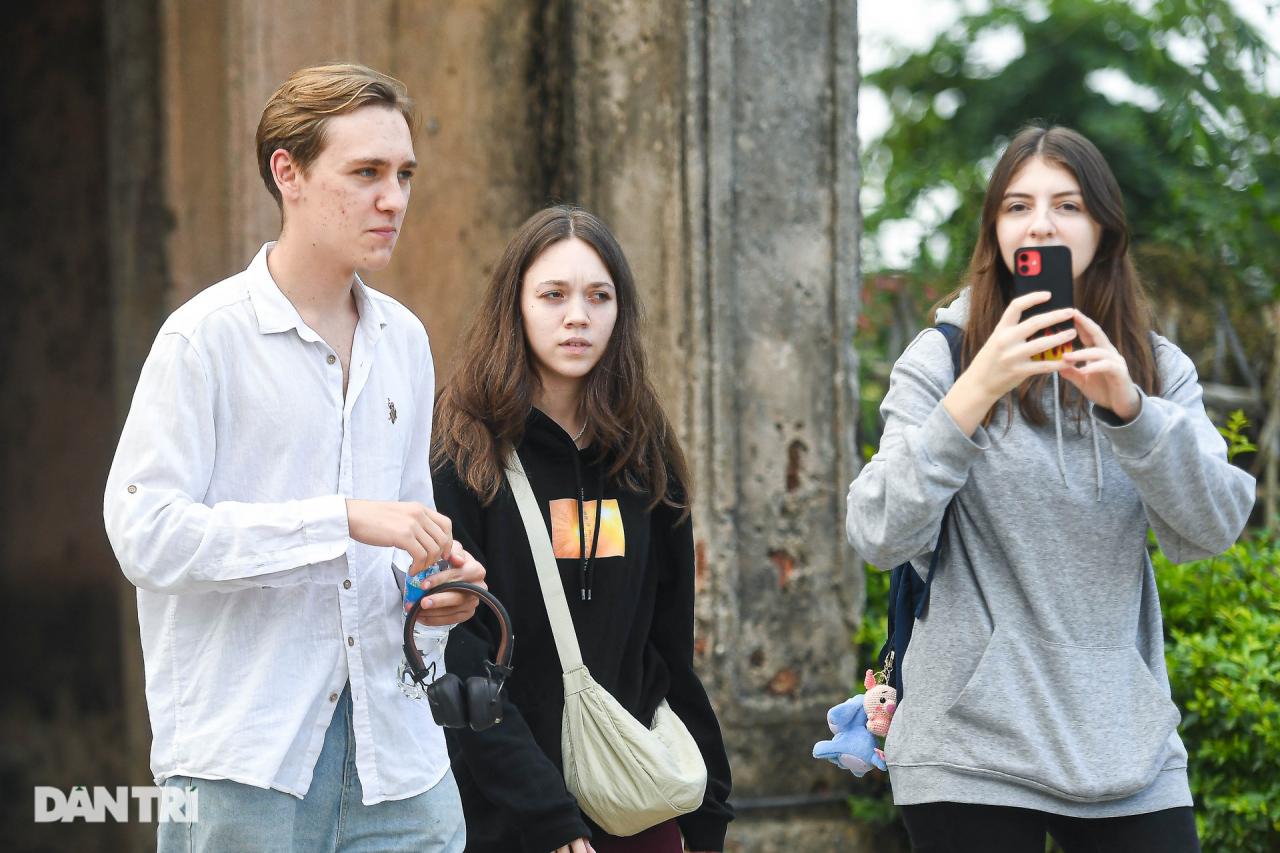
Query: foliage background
{"x":1194,"y":140}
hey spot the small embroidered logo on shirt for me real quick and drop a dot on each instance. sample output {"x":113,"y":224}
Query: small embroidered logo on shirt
{"x":391,"y":410}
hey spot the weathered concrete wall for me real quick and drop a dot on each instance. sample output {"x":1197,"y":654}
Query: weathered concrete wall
{"x":55,"y":335}
{"x":720,"y":140}
{"x":630,"y":110}
{"x":58,"y":620}
{"x":778,"y":169}
{"x":140,"y":276}
{"x":55,"y":348}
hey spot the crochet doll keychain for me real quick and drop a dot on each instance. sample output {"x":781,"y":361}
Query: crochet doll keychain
{"x":880,"y":700}
{"x":856,"y":723}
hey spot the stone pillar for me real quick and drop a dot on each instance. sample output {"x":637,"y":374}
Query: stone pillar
{"x":719,"y":139}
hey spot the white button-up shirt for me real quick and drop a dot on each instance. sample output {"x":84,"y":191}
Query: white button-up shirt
{"x":226,"y":508}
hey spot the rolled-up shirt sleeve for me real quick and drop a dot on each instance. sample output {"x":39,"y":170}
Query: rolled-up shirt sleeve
{"x":166,"y":538}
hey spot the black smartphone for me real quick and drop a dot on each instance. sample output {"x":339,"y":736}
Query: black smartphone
{"x":1046,"y":268}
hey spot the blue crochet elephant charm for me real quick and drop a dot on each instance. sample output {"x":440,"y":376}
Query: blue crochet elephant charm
{"x":853,"y":747}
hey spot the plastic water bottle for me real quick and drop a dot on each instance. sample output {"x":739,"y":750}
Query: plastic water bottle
{"x":414,"y":584}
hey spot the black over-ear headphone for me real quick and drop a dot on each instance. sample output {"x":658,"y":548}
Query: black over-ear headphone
{"x":478,"y":703}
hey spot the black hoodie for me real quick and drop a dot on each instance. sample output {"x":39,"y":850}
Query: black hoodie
{"x":635,"y":630}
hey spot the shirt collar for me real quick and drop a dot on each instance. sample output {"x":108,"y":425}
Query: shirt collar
{"x":276,"y":313}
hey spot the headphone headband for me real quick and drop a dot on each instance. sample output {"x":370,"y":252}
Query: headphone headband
{"x":418,"y":668}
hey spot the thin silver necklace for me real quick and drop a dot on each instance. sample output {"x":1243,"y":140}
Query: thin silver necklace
{"x":581,"y":431}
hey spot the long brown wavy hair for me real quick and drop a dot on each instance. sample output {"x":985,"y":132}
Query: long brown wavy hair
{"x":1109,"y":290}
{"x":481,"y":411}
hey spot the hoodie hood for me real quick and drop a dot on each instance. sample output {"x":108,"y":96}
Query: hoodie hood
{"x":548,"y":438}
{"x":957,"y":314}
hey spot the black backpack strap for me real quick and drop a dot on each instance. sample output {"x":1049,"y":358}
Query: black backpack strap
{"x":908,"y":594}
{"x":955,"y":338}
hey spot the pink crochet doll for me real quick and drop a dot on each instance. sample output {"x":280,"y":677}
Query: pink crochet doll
{"x":880,"y":701}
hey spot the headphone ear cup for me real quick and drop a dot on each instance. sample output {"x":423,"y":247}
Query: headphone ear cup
{"x":484,"y":704}
{"x":444,"y":695}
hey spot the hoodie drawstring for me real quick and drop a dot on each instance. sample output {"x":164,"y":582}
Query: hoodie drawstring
{"x":588,"y":558}
{"x":1057,"y":428}
{"x":1097,"y":456}
{"x":1097,"y":449}
{"x":595,"y":537}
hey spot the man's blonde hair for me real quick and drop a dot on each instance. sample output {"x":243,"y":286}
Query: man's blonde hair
{"x":295,"y":116}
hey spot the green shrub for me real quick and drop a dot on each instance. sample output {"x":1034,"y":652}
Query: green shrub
{"x":1222,"y":620}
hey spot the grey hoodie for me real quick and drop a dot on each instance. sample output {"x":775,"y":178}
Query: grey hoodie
{"x":1037,"y":677}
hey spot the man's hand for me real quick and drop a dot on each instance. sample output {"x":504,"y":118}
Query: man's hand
{"x":422,"y":532}
{"x":578,"y":845}
{"x":450,"y":608}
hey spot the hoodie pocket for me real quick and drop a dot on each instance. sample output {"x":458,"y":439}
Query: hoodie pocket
{"x":1082,"y":722}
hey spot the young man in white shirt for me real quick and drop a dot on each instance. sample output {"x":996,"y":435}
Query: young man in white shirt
{"x":272,"y":477}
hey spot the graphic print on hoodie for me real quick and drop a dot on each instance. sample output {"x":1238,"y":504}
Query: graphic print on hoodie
{"x":567,"y":533}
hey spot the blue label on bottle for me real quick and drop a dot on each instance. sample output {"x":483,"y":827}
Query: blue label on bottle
{"x":413,"y":588}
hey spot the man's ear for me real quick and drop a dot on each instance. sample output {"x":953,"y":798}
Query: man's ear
{"x":286,"y":173}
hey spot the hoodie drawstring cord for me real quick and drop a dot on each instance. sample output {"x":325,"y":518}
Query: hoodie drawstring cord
{"x":595,"y":536}
{"x":1057,"y":428}
{"x":1097,"y":448}
{"x":1097,"y":457}
{"x":587,"y":558}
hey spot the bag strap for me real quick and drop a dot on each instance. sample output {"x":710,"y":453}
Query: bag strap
{"x":545,"y":562}
{"x":955,"y":339}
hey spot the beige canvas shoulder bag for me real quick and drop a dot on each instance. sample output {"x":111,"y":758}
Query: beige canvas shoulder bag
{"x":624,"y":776}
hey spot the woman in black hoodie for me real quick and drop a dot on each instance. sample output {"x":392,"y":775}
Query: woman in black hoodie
{"x":553,"y":366}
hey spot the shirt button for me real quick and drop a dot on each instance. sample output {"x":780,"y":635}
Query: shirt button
{"x":346,"y":584}
{"x":333,"y":697}
{"x":133,"y":490}
{"x":351,"y":641}
{"x":331,"y":359}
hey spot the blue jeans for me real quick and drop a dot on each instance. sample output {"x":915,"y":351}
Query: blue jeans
{"x":236,"y":817}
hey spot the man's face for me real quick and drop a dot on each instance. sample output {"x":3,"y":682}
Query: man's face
{"x":350,"y":202}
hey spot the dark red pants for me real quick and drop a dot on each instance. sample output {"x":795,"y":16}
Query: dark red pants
{"x":663,"y":838}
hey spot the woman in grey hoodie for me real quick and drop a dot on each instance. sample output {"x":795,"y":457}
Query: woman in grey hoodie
{"x":1035,"y":693}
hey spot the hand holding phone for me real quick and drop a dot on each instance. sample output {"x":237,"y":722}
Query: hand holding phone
{"x":1007,"y":358}
{"x":1046,"y":268}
